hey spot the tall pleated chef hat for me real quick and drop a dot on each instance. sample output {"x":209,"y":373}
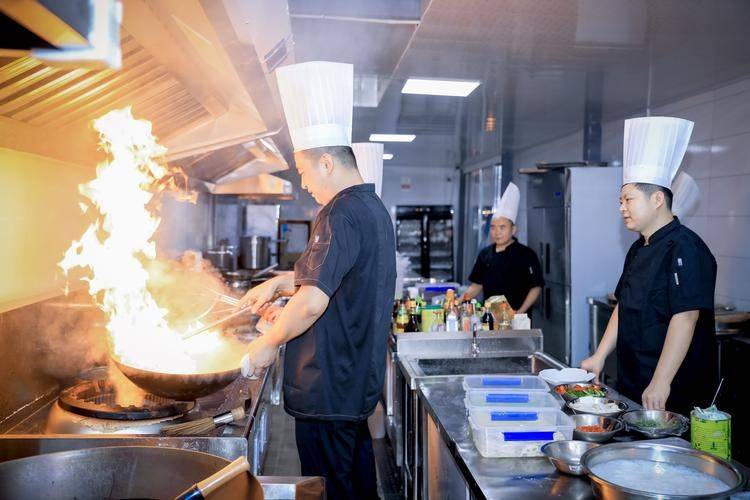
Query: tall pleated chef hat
{"x":685,"y":195}
{"x":369,"y":157}
{"x":507,"y":205}
{"x":318,"y":99}
{"x":653,"y":149}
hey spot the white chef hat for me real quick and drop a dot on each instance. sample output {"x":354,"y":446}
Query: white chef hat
{"x":653,"y":149}
{"x":507,"y":205}
{"x":369,"y":157}
{"x":685,"y":195}
{"x":318,"y":99}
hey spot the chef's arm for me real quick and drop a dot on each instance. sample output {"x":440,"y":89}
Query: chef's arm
{"x":302,"y":310}
{"x":530,"y":300}
{"x":595,"y":362}
{"x":679,"y":336}
{"x":473,"y":290}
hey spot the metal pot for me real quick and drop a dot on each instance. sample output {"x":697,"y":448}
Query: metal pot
{"x":255,"y":252}
{"x":223,"y":257}
{"x":658,"y":452}
{"x":118,"y":472}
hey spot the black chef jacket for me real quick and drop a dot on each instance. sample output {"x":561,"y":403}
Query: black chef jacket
{"x":335,"y":370}
{"x":512,"y":272}
{"x":674,"y":273}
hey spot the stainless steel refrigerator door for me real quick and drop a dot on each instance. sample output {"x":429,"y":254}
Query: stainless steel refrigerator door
{"x":552,"y":318}
{"x":553,"y":264}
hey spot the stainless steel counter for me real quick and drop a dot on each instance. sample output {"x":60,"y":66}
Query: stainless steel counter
{"x":450,"y":454}
{"x":246,"y":437}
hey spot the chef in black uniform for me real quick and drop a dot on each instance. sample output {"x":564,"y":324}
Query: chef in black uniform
{"x":663,"y":324}
{"x":506,"y":267}
{"x":335,"y":326}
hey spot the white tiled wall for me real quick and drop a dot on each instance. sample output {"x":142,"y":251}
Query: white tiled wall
{"x":718,"y":158}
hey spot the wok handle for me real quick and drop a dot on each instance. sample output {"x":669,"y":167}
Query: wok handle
{"x":212,"y":483}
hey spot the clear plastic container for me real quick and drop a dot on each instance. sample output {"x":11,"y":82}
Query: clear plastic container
{"x":482,"y":400}
{"x":518,"y":433}
{"x":506,"y":383}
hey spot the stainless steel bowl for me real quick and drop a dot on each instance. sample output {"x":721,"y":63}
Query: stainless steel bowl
{"x":566,"y":455}
{"x":567,"y":387}
{"x":611,"y":427}
{"x":666,"y":423}
{"x":643,"y":450}
{"x":620,"y":405}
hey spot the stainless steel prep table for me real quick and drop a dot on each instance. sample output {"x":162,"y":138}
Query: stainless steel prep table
{"x":453,"y":468}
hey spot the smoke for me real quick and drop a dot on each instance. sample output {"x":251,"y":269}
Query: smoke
{"x":58,"y":338}
{"x":187,"y":289}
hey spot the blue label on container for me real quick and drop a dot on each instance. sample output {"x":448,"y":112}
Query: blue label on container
{"x":501,"y":382}
{"x":529,"y":436}
{"x":507,"y":398}
{"x":507,"y":416}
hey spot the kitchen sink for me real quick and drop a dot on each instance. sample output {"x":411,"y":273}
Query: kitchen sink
{"x":477,"y":366}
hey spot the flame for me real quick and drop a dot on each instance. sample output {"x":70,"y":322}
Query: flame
{"x":118,"y":248}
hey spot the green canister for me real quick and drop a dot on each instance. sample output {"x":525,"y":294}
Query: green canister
{"x":711,"y":431}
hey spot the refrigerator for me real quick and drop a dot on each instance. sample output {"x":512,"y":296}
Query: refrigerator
{"x":576,"y":230}
{"x":424,"y":234}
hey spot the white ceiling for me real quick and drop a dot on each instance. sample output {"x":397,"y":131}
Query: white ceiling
{"x":534,"y":59}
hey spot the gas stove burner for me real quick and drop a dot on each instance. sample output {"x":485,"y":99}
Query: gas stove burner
{"x":97,"y":398}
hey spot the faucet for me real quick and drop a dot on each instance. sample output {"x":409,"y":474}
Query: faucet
{"x":474,"y":342}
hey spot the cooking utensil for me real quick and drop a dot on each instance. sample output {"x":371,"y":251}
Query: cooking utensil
{"x":181,"y":387}
{"x":716,"y":394}
{"x":202,"y":489}
{"x":569,"y":387}
{"x":667,"y":423}
{"x":620,"y":405}
{"x":610,"y":425}
{"x":265,"y":271}
{"x":118,"y":472}
{"x":207,"y":424}
{"x":216,"y":323}
{"x":566,"y":455}
{"x":657,"y":452}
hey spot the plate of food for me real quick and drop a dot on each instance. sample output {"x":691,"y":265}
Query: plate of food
{"x":565,"y":376}
{"x":597,"y":406}
{"x":569,"y":392}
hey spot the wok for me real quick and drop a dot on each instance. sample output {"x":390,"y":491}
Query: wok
{"x":118,"y":472}
{"x":182,"y":387}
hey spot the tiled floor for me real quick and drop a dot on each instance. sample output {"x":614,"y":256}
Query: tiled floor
{"x":282,"y":460}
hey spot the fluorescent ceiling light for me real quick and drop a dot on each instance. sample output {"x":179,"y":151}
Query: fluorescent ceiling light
{"x":392,"y":137}
{"x":456,"y":88}
{"x":387,"y":156}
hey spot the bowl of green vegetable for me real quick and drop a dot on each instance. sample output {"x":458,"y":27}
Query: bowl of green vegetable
{"x":655,"y":423}
{"x":569,"y":392}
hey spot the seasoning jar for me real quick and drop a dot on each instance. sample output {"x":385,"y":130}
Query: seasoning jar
{"x":432,"y":316}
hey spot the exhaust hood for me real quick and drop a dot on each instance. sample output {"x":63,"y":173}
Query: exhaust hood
{"x":191,"y":67}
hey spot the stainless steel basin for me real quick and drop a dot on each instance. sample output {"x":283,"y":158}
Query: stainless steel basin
{"x":481,"y":365}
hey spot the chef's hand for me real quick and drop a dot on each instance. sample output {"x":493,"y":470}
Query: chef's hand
{"x":655,"y":396}
{"x":259,"y":296}
{"x":261,"y":354}
{"x":593,"y":364}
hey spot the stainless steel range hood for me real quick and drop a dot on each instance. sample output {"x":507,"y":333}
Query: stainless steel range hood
{"x":191,"y":67}
{"x":243,"y":169}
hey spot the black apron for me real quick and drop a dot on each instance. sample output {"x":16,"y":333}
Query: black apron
{"x":675,"y":272}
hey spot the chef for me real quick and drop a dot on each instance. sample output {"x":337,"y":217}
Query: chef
{"x":336,"y":324}
{"x":663,"y":324}
{"x":506,"y":267}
